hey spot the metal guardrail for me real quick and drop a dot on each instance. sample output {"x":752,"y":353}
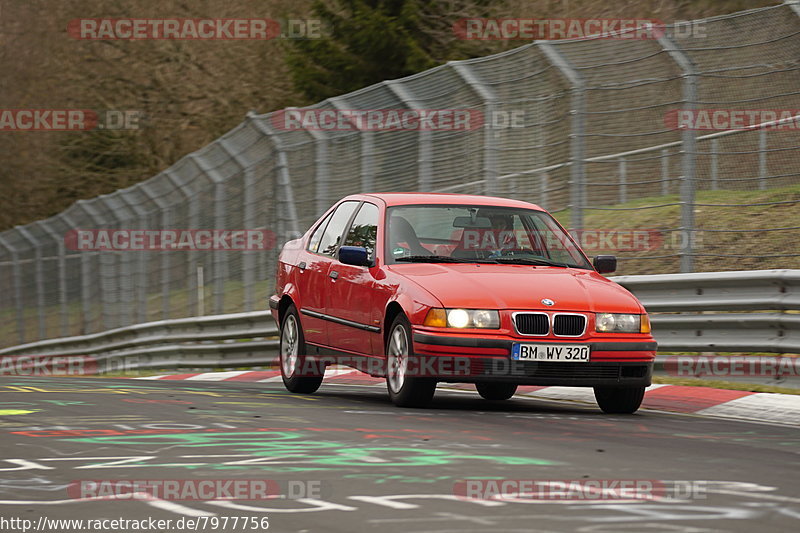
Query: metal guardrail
{"x":751,"y":311}
{"x":238,"y":339}
{"x":706,"y":312}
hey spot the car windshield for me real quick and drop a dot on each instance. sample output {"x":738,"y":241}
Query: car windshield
{"x":478,"y":234}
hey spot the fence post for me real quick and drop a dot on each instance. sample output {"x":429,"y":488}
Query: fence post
{"x":623,"y":180}
{"x":220,"y":256}
{"x":182,"y":186}
{"x":86,"y":279}
{"x":424,"y":148}
{"x":62,"y":275}
{"x":714,"y":164}
{"x":367,"y":162}
{"x":762,"y":159}
{"x":140,"y":287}
{"x":543,"y":185}
{"x":284,"y":181}
{"x":164,"y":256}
{"x":321,"y":164}
{"x":98,"y":280}
{"x":17,"y":273}
{"x":665,"y":171}
{"x":39,"y":276}
{"x":689,"y":151}
{"x":577,"y":147}
{"x":249,"y":220}
{"x":489,"y":98}
{"x":123,"y":277}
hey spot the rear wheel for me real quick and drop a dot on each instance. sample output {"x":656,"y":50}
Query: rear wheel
{"x":496,"y":391}
{"x":619,"y":400}
{"x":404,"y":391}
{"x":298,"y":376}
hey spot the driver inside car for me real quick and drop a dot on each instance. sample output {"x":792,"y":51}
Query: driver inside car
{"x":501,"y":236}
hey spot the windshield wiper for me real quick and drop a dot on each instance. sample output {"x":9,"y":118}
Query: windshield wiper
{"x":529,"y":261}
{"x":441,"y":259}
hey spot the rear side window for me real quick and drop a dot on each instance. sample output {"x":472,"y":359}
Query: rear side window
{"x":335,"y":228}
{"x":364,"y":230}
{"x":313,"y":242}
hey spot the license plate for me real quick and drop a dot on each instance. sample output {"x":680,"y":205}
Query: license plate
{"x":567,"y":353}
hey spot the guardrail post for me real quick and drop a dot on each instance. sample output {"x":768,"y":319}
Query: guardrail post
{"x":62,"y":275}
{"x":689,"y":152}
{"x":17,"y":274}
{"x":489,"y":98}
{"x":39,"y":276}
{"x":424,"y":151}
{"x":577,"y":146}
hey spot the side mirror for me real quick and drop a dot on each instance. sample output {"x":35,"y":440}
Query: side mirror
{"x":605,"y":264}
{"x":354,"y":255}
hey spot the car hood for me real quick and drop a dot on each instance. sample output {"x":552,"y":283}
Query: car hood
{"x":489,"y":286}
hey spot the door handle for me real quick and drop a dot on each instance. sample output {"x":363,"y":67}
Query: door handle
{"x":302,"y":265}
{"x":334,"y":275}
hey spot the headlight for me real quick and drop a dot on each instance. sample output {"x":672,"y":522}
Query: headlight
{"x":463,"y":318}
{"x":617,"y":323}
{"x":457,"y":318}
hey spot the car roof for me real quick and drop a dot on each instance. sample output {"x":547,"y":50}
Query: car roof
{"x":410,"y":198}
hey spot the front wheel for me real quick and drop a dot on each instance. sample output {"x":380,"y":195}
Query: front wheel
{"x":496,"y":391}
{"x":296,"y":374}
{"x":404,"y":391}
{"x":619,"y":400}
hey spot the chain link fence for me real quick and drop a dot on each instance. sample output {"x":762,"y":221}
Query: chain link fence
{"x":577,"y":127}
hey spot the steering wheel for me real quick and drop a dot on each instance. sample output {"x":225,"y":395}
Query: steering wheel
{"x":511,"y":252}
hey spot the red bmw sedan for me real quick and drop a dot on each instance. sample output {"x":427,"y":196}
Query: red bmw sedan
{"x":428,"y":288}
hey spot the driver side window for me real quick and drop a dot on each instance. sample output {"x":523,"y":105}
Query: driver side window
{"x":333,"y":233}
{"x":364,"y":230}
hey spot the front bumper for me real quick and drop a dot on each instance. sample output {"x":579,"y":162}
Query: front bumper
{"x":473,"y":359}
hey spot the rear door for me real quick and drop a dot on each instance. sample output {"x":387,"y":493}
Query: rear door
{"x":312,"y":274}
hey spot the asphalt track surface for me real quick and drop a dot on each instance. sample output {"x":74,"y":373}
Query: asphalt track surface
{"x":353,"y":462}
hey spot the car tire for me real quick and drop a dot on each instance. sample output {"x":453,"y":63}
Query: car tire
{"x":296,"y":376}
{"x":404,"y":391}
{"x":619,"y":400}
{"x":496,"y":391}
